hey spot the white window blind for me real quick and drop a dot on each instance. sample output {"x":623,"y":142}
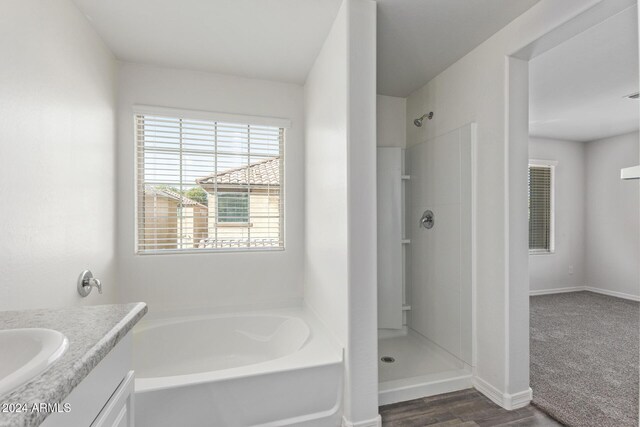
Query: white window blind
{"x":540,"y":208}
{"x":208,"y":185}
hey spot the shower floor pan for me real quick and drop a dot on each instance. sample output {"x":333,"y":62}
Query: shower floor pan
{"x":410,"y":367}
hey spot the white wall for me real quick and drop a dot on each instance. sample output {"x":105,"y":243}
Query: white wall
{"x":326,"y":263}
{"x":612,"y":223}
{"x":440,"y":258}
{"x":361,"y":403}
{"x":391,"y":130}
{"x":210,"y":279}
{"x":340,"y":202}
{"x":597,"y":228}
{"x":57,"y":155}
{"x":566,"y":267}
{"x":477,"y":89}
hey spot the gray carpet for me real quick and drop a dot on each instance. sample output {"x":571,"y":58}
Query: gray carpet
{"x":584,"y":359}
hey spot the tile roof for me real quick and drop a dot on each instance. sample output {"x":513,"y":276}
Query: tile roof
{"x":165,"y":192}
{"x":264,"y":172}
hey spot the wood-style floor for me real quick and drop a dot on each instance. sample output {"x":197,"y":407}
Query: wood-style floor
{"x":466,"y":408}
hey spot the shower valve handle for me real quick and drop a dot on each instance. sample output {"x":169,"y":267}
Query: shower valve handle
{"x":427,"y":220}
{"x":86,"y":282}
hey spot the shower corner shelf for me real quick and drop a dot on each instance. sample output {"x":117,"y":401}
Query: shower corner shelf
{"x":406,"y":307}
{"x":405,"y":241}
{"x":405,"y":177}
{"x":630,"y":173}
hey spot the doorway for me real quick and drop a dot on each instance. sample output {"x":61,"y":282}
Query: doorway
{"x":578,"y":221}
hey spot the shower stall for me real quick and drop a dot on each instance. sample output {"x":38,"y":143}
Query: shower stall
{"x":425,"y":265}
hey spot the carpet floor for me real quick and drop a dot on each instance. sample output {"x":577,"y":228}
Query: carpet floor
{"x":585,"y":358}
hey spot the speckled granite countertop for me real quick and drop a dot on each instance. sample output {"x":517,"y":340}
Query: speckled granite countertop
{"x":92,"y":332}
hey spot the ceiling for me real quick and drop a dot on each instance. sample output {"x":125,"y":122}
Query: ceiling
{"x":577,"y":89}
{"x":280,"y":39}
{"x":267,"y":39}
{"x":418,"y":39}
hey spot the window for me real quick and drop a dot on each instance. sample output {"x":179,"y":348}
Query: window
{"x":541,"y":209}
{"x":207,"y":184}
{"x":233,"y":207}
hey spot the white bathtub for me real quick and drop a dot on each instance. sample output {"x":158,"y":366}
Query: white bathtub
{"x":270,"y":368}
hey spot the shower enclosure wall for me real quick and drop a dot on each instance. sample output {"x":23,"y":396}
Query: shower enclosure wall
{"x":425,"y":266}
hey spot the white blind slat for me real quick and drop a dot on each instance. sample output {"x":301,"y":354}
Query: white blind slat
{"x":540,"y":208}
{"x":207,"y":185}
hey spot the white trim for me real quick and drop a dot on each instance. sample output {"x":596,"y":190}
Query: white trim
{"x":504,"y":400}
{"x":538,"y":252}
{"x":601,"y":291}
{"x":541,"y":162}
{"x":376,"y":422}
{"x":213,"y":116}
{"x":551,"y":164}
{"x":557,"y":290}
{"x":474,"y":244}
{"x":488,"y":390}
{"x":613,"y":293}
{"x":518,"y":400}
{"x":209,"y":251}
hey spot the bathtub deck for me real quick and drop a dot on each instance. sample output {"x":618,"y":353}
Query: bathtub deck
{"x":226,"y":367}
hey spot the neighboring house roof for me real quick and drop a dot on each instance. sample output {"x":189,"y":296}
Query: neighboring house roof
{"x":170,"y":194}
{"x":265,"y":172}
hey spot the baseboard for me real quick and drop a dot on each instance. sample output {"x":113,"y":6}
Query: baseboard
{"x":612,"y":293}
{"x":376,"y":422}
{"x":585,"y":288}
{"x":518,"y":400}
{"x":557,"y":290}
{"x":505,"y":400}
{"x":488,"y":390}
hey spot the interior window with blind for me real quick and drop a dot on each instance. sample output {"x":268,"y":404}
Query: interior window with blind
{"x":208,"y":185}
{"x":541,"y":208}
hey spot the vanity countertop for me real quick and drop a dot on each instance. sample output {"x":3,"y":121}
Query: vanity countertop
{"x":92,"y":332}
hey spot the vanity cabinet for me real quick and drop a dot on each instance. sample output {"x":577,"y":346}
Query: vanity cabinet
{"x":118,"y":412}
{"x":105,"y":397}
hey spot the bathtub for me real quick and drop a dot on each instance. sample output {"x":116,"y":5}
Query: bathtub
{"x":269,"y":368}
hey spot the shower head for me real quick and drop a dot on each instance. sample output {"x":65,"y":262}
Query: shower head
{"x":418,"y":122}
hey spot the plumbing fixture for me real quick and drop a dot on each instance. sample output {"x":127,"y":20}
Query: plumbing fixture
{"x":86,"y":283}
{"x":427,"y":219}
{"x":418,"y":122}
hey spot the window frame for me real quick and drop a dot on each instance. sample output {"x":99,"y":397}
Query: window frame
{"x":282,"y":123}
{"x":551,"y":165}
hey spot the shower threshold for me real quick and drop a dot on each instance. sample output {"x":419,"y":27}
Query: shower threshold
{"x":410,"y":367}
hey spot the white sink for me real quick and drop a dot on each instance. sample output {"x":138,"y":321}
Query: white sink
{"x":26,"y":353}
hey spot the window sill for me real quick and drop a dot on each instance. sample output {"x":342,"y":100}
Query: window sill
{"x":542,"y":252}
{"x":209,"y":251}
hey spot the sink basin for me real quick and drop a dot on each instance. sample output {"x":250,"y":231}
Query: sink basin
{"x":26,"y":353}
